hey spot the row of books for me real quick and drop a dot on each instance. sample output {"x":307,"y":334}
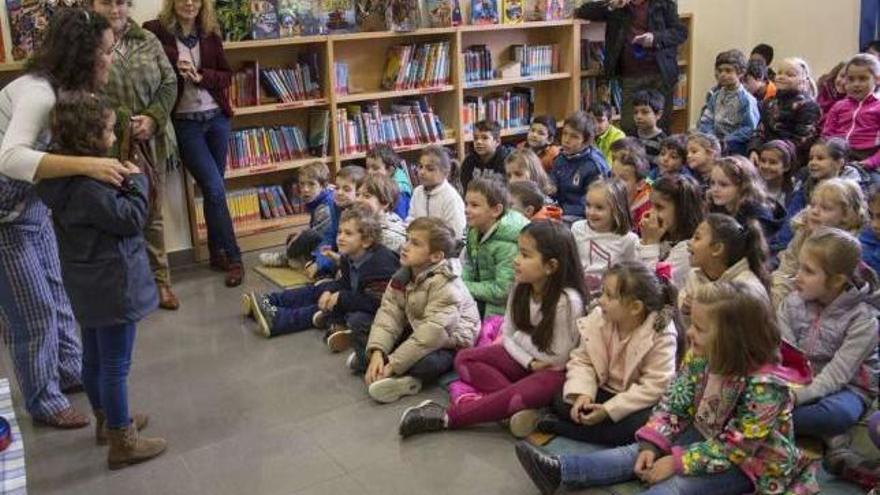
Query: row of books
{"x":536,"y":60}
{"x":477,"y":63}
{"x":413,"y":66}
{"x":274,"y":203}
{"x":599,"y":89}
{"x":252,"y":205}
{"x":255,"y":146}
{"x":592,"y":55}
{"x":292,"y":84}
{"x":359,"y":128}
{"x":512,"y":108}
{"x":298,"y":82}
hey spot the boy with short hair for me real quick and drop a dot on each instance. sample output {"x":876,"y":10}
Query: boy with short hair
{"x":647,"y":111}
{"x":487,"y":159}
{"x":579,"y":164}
{"x":540,"y":139}
{"x":731,"y":112}
{"x":606,"y":132}
{"x":348,"y":179}
{"x":673,"y":157}
{"x":528,"y":199}
{"x":757,"y":81}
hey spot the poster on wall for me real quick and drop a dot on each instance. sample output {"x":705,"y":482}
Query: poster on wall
{"x":28,"y":20}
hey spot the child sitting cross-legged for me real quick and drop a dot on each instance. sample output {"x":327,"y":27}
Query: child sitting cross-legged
{"x":426,"y":315}
{"x":365,"y":266}
{"x":631,"y":168}
{"x":724,"y":424}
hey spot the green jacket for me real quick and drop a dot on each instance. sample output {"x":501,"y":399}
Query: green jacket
{"x":605,"y":141}
{"x":488,"y":268}
{"x":142,"y":82}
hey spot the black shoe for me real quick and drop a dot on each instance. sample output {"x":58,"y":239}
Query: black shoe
{"x":264,"y":313}
{"x":425,"y":417}
{"x":544,"y":470}
{"x":547,"y":423}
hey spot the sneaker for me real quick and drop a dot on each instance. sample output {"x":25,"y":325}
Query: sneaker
{"x":339,"y":341}
{"x":352,"y":362}
{"x":523,"y":423}
{"x":247,"y":302}
{"x":276,"y":260}
{"x":425,"y":417}
{"x":544,"y":469}
{"x":264,"y":313}
{"x":388,"y":390}
{"x":547,"y":422}
{"x":319,"y":320}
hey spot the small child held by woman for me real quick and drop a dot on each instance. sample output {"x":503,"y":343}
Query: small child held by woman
{"x":723,"y":427}
{"x":526,"y":369}
{"x":624,"y":362}
{"x":425,"y":316}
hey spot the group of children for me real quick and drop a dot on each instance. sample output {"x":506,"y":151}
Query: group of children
{"x":692,"y":302}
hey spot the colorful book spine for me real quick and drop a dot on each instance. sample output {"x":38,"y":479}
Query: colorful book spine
{"x":478,"y":63}
{"x":291,"y":84}
{"x":341,"y":85}
{"x":416,"y":66}
{"x":257,"y":146}
{"x":510,"y":109}
{"x":536,"y":60}
{"x":407,"y":124}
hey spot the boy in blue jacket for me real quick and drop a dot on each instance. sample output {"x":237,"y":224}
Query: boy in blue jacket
{"x":366,"y":266}
{"x":731,"y":112}
{"x":326,"y":257}
{"x":578,"y":165}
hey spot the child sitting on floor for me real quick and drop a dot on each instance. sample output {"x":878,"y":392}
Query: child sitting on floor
{"x":379,"y":193}
{"x":383,"y":161}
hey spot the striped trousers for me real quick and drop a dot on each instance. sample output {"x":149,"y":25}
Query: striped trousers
{"x":36,"y":319}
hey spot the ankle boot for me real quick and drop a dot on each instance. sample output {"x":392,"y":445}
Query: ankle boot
{"x":127,"y":448}
{"x":139,"y":421}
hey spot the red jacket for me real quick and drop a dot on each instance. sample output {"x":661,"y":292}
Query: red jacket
{"x":215,"y":71}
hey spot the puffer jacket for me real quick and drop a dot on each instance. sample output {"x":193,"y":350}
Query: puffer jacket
{"x":648,"y":362}
{"x":791,"y":115}
{"x":437,"y":306}
{"x":393,"y":231}
{"x":488,"y":266}
{"x":840,"y":340}
{"x":757,"y":436}
{"x":859,"y":123}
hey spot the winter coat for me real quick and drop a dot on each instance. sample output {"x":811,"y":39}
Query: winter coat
{"x":738,"y":272}
{"x":319,"y":212}
{"x":859,"y":123}
{"x":473,"y":167}
{"x":792,"y":116}
{"x":840,"y":340}
{"x":376,"y":269}
{"x":393,"y":232}
{"x":771,"y":218}
{"x":757,"y":435}
{"x":663,"y":23}
{"x":547,"y":154}
{"x":442,"y":202}
{"x":598,"y":251}
{"x":488,"y":267}
{"x":438,"y":308}
{"x":870,"y":248}
{"x":606,"y":139}
{"x":649,"y":364}
{"x":572,"y":174}
{"x":548,"y":212}
{"x":101,"y":247}
{"x":519,"y":344}
{"x":736,"y":132}
{"x":325,"y":265}
{"x":677,"y":256}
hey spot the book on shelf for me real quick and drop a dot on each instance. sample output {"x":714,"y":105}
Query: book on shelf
{"x":296,"y":18}
{"x":370,"y":15}
{"x":341,"y":85}
{"x":409,"y":122}
{"x":336,"y":16}
{"x":403,"y":15}
{"x":319,"y":131}
{"x":680,"y":95}
{"x":264,"y":19}
{"x":28,"y":21}
{"x":249,"y":206}
{"x":477,"y":63}
{"x":544,"y":10}
{"x":599,"y":89}
{"x":292,"y":84}
{"x":443,"y":13}
{"x":592,"y":55}
{"x":414,"y":66}
{"x":243,"y":87}
{"x":536,"y":60}
{"x":512,"y":11}
{"x":512,"y":108}
{"x":484,"y":12}
{"x":255,"y":146}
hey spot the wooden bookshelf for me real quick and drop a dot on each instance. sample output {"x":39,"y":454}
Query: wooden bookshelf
{"x":491,"y":83}
{"x":386,"y":95}
{"x":279,"y":107}
{"x":273,"y":167}
{"x":401,"y":149}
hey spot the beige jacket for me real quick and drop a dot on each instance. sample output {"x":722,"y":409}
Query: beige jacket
{"x":649,"y":359}
{"x":739,"y":272}
{"x":437,"y":306}
{"x":782,"y":281}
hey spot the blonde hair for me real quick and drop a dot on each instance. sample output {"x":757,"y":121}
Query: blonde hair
{"x":527,"y":160}
{"x":206,"y":21}
{"x":706,"y":141}
{"x":744,"y":334}
{"x":848,"y":195}
{"x":316,"y":171}
{"x":806,"y":84}
{"x":618,"y":200}
{"x":837,"y":252}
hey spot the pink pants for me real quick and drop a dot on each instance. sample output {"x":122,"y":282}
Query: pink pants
{"x":506,"y":386}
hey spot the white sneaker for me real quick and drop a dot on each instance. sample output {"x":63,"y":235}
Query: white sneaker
{"x":277,"y":259}
{"x":388,"y":390}
{"x":351,"y":361}
{"x":247,"y":309}
{"x":523,"y":423}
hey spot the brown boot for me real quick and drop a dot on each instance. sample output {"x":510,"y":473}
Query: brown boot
{"x":167,"y":299}
{"x":140,"y":421}
{"x":234,"y":274}
{"x":127,"y":447}
{"x":67,"y":419}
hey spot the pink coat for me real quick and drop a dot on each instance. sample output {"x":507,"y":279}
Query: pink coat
{"x":859,"y":123}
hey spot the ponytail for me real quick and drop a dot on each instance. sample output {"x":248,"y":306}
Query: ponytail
{"x":741,"y":241}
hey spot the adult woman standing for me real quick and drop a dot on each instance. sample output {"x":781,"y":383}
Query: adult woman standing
{"x":641,"y":43}
{"x":143,"y":89}
{"x":35,"y":314}
{"x":190,"y":35}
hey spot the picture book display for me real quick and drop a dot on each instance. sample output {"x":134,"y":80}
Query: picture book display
{"x":403,"y":15}
{"x":296,"y":18}
{"x":370,"y":15}
{"x":264,"y":19}
{"x":443,"y":13}
{"x":336,"y":16}
{"x":484,"y":12}
{"x":512,"y":11}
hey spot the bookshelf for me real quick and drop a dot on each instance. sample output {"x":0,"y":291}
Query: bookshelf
{"x":558,"y":93}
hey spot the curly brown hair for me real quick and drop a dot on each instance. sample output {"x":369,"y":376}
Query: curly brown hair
{"x":78,"y":123}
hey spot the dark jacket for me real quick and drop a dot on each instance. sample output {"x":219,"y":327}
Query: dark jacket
{"x":379,"y":265}
{"x":792,"y":116}
{"x":474,"y":168}
{"x":870,"y":248}
{"x":770,"y":218}
{"x":101,"y":246}
{"x":572,"y":175}
{"x":215,"y":71}
{"x":663,"y":22}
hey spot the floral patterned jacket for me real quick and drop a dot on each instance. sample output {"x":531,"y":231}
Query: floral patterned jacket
{"x":754,"y":432}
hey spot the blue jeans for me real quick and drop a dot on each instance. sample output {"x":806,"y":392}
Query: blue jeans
{"x":106,"y":361}
{"x":831,"y":415}
{"x":203,"y":147}
{"x":611,"y":466}
{"x":296,"y":307}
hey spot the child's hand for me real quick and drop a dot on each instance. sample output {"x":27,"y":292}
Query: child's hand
{"x":331,"y":254}
{"x":538,"y":365}
{"x":644,"y":464}
{"x":376,"y":368}
{"x":754,"y":157}
{"x":662,"y":470}
{"x":580,"y":403}
{"x":652,"y":230}
{"x":597,"y":414}
{"x":312,"y":270}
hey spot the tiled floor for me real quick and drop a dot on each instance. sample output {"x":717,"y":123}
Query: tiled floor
{"x":245,"y":415}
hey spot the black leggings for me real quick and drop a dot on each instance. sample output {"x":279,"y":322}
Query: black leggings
{"x":607,"y":432}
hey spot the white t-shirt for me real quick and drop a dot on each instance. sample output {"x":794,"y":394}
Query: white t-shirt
{"x":600,"y":250}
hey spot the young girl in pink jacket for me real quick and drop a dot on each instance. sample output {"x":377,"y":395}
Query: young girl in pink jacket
{"x":624,"y":362}
{"x":856,"y":118}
